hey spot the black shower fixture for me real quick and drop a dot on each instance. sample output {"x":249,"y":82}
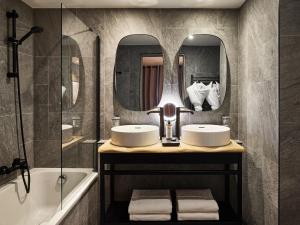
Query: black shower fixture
{"x":33,"y":30}
{"x":14,"y":42}
{"x":20,"y":164}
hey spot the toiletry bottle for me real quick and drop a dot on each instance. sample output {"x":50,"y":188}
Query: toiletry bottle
{"x":169,"y":130}
{"x":115,"y":121}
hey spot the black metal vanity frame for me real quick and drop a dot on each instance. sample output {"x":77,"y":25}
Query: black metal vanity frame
{"x":117,"y":212}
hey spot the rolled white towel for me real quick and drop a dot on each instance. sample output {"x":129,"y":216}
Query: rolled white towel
{"x":150,"y":217}
{"x":198,"y":216}
{"x":150,"y":202}
{"x":197,"y":94}
{"x":213,"y":97}
{"x":198,"y":201}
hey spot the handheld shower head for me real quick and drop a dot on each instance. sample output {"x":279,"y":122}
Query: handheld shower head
{"x":36,"y":30}
{"x":33,"y":30}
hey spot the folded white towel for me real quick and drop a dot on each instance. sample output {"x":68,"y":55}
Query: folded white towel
{"x":194,"y":194}
{"x":189,"y":201}
{"x":198,"y":216}
{"x":150,"y":217}
{"x":150,"y":202}
{"x":151,"y":194}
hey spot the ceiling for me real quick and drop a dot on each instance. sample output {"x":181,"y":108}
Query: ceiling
{"x":136,"y":3}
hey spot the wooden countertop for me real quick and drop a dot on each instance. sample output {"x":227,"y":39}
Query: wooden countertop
{"x":75,"y":140}
{"x":233,"y":147}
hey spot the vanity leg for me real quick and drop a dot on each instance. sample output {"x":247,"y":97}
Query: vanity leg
{"x":240,"y":189}
{"x":102,"y":191}
{"x":227,"y":185}
{"x":112,"y":184}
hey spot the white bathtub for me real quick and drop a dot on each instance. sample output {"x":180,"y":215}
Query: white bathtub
{"x":43,"y":204}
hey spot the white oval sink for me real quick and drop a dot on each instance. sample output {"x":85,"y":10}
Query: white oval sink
{"x":134,"y":135}
{"x":67,"y":133}
{"x":205,"y":135}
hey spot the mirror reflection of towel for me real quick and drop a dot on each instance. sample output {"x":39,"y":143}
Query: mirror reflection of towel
{"x":213,"y":97}
{"x":75,"y":87}
{"x":63,"y":90}
{"x":197,"y":93}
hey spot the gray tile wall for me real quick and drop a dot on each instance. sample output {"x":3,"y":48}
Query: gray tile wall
{"x":47,"y":86}
{"x":289,"y":111}
{"x":258,"y":109}
{"x":8,"y":134}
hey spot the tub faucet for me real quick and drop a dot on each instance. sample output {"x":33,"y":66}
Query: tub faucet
{"x":3,"y":170}
{"x":160,"y":111}
{"x":180,"y":110}
{"x":17,"y":164}
{"x":62,"y":179}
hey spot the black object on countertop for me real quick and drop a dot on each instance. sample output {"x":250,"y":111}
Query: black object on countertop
{"x":170,"y":142}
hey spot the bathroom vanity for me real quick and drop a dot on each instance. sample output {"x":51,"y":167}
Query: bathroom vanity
{"x":230,"y":156}
{"x":203,"y":78}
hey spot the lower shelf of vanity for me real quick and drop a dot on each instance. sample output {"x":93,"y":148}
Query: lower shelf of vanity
{"x":117,"y":214}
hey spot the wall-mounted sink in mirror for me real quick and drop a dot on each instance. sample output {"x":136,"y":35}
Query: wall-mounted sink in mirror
{"x":202,"y":72}
{"x":138,"y":80}
{"x":72,"y":72}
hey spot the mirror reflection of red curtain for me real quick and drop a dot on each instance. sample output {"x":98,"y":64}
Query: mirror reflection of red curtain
{"x":152,"y":86}
{"x":181,"y":81}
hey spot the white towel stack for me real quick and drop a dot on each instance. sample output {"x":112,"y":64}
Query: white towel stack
{"x":196,"y":205}
{"x":150,"y":205}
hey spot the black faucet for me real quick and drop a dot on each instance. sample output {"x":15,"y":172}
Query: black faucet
{"x":3,"y":170}
{"x":180,"y":110}
{"x":16,"y":165}
{"x":160,"y":111}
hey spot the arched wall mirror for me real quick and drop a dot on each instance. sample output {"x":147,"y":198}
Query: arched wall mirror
{"x":72,"y":72}
{"x":138,"y":76}
{"x":202,"y":72}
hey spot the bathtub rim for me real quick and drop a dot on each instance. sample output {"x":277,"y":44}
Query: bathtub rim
{"x":70,"y":201}
{"x":74,"y":196}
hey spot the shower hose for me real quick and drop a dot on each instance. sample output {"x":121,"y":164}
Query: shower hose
{"x":23,"y":163}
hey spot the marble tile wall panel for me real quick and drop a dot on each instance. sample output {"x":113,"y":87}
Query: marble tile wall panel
{"x":289,"y":111}
{"x":47,"y":88}
{"x":8,"y":132}
{"x":258,"y":109}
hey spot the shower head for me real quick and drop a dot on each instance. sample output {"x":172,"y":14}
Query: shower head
{"x":33,"y":30}
{"x":36,"y":30}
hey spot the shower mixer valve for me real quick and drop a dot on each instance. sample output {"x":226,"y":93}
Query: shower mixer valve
{"x":16,"y":164}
